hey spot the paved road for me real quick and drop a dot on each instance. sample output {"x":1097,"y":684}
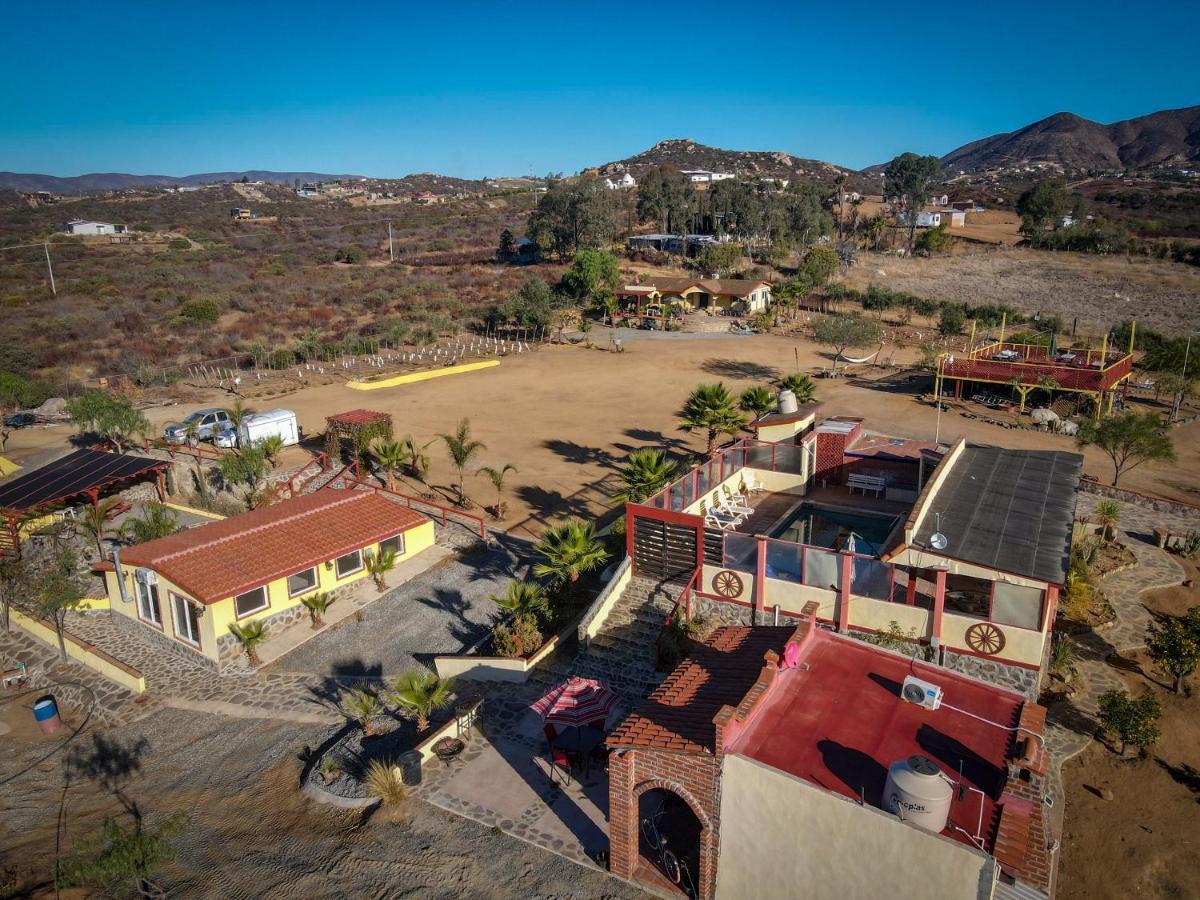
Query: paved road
{"x":444,"y":610}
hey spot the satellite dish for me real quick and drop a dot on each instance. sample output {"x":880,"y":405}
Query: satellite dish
{"x":938,"y":541}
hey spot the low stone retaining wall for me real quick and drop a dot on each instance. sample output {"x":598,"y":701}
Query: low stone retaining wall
{"x":1023,"y":681}
{"x":1158,"y":504}
{"x":475,"y":667}
{"x":593,"y":620}
{"x":82,"y":652}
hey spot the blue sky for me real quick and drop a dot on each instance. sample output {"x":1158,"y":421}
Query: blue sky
{"x":486,"y":89}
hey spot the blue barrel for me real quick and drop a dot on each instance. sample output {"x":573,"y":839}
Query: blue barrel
{"x":45,"y":711}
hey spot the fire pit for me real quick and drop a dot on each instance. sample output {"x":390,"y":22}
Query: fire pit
{"x":448,"y":748}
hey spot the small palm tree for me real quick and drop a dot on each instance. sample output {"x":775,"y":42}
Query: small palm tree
{"x":272,"y":446}
{"x":155,"y":522}
{"x":758,"y":401}
{"x":646,"y":472}
{"x":422,"y":694}
{"x":191,"y":432}
{"x":238,"y":413}
{"x":250,"y":636}
{"x":711,"y":409}
{"x":362,"y":706}
{"x":801,"y":385}
{"x":316,"y":604}
{"x":525,"y":598}
{"x":570,"y":550}
{"x":379,"y":564}
{"x":1108,"y":513}
{"x":390,"y":456}
{"x":95,"y":522}
{"x":462,"y":450}
{"x":496,"y":476}
{"x":417,"y":462}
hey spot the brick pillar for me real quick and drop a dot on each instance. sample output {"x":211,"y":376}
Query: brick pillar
{"x":622,"y":816}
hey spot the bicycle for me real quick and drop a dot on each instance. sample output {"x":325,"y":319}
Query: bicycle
{"x":667,"y":860}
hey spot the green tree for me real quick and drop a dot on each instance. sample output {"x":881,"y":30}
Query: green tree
{"x":531,"y":304}
{"x":591,"y":272}
{"x":121,"y":860}
{"x":844,"y":332}
{"x":1134,"y":722}
{"x":819,"y":265}
{"x":1108,"y":513}
{"x":507,"y":250}
{"x":757,"y":400}
{"x":801,"y":385}
{"x":248,"y":467}
{"x":317,"y":604}
{"x":250,"y":636}
{"x":1174,"y":643}
{"x":422,"y":694}
{"x":573,"y":215}
{"x":59,"y":593}
{"x":665,"y":196}
{"x":17,"y":587}
{"x":569,"y":550}
{"x":1130,"y":439}
{"x":461,"y":449}
{"x":908,"y":178}
{"x":951,"y":320}
{"x":272,"y":446}
{"x":711,"y":409}
{"x":156,"y":521}
{"x":109,"y":416}
{"x":390,"y":456}
{"x":96,"y":522}
{"x":496,"y":477}
{"x":1041,"y":207}
{"x":723,"y":260}
{"x":238,"y":413}
{"x":646,"y":472}
{"x":934,"y":240}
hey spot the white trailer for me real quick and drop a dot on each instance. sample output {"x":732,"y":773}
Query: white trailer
{"x":258,"y":426}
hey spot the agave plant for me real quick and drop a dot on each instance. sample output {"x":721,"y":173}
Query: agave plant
{"x":362,"y":706}
{"x":569,"y":550}
{"x":250,"y":636}
{"x":379,"y":564}
{"x":646,"y":472}
{"x":316,"y":604}
{"x":422,"y":694}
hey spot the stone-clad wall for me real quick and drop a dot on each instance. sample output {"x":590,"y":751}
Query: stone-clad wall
{"x":1024,"y":681}
{"x":230,"y":651}
{"x":144,"y":632}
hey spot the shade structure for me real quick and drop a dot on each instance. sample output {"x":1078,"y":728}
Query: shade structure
{"x":576,"y":701}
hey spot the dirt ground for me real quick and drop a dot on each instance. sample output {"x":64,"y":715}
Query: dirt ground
{"x":1160,"y":293}
{"x":992,"y":226}
{"x":251,"y":833}
{"x":567,"y":416}
{"x":1177,"y":600}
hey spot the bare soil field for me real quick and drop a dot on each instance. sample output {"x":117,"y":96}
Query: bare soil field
{"x":1164,"y":295}
{"x":992,"y":226}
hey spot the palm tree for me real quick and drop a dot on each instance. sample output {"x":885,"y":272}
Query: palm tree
{"x":757,"y":400}
{"x":710,"y":408}
{"x":316,"y":604}
{"x":570,"y":550}
{"x":378,"y":565}
{"x":390,"y":455}
{"x":272,"y":446}
{"x":462,"y":450}
{"x":646,"y":472}
{"x":249,"y":636}
{"x":418,"y":462}
{"x":156,"y":521}
{"x":423,"y":694}
{"x":1108,"y":512}
{"x":95,"y":522}
{"x":525,"y":598}
{"x":238,"y":413}
{"x":362,"y":706}
{"x":801,"y":385}
{"x":496,"y":476}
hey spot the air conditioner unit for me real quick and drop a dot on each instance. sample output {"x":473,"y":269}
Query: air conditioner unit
{"x":925,"y":694}
{"x":145,"y":576}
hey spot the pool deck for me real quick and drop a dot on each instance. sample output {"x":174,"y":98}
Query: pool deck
{"x":772,"y":508}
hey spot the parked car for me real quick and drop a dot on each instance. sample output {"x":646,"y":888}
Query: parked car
{"x":20,"y":420}
{"x":226,"y":438}
{"x":208,"y":423}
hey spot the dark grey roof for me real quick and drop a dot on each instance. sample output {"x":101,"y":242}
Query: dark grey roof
{"x":1010,"y":510}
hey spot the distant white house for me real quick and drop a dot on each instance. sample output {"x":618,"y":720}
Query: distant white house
{"x":939,"y":200}
{"x":924,"y":219}
{"x":625,"y":182}
{"x":85,"y":226}
{"x":703,"y":176}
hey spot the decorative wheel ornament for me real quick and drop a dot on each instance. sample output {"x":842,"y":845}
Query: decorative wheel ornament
{"x":727,"y":584}
{"x":985,"y":638}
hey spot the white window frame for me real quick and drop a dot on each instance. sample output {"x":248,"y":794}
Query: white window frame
{"x":312,"y":587}
{"x":176,"y":603}
{"x":337,"y":568}
{"x":399,"y":539}
{"x":145,"y":594}
{"x":266,"y":596}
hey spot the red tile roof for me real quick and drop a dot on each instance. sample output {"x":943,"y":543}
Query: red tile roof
{"x":224,"y":558}
{"x":679,"y":714}
{"x":737,"y":287}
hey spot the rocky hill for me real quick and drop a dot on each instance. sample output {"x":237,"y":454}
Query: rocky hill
{"x":1065,"y":140}
{"x":687,"y":154}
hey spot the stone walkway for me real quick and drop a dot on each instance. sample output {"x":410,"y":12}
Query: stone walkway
{"x":1071,"y":724}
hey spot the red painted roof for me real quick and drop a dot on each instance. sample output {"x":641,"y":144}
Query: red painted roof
{"x":224,"y":558}
{"x":839,"y":722}
{"x":679,"y":714}
{"x":358,"y":417}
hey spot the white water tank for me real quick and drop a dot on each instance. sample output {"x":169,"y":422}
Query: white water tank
{"x":918,"y":792}
{"x":787,"y":403}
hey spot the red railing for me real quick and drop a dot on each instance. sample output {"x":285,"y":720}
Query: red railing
{"x":445,"y":512}
{"x":1030,"y":368}
{"x":746,"y":453}
{"x":685,"y":600}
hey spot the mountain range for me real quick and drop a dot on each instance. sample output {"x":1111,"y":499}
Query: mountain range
{"x":119,"y":181}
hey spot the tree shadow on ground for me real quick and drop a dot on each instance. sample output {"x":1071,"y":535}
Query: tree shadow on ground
{"x":577,"y":453}
{"x":1067,"y":715}
{"x":455,"y":606}
{"x":1185,"y":774}
{"x":739,"y":368}
{"x":344,"y":675}
{"x":550,"y":504}
{"x":657,"y":439}
{"x":111,"y":764}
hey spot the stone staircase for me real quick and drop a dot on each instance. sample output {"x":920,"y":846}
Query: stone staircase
{"x":624,"y":653}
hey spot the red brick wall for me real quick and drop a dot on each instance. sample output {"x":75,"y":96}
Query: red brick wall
{"x":830,"y":454}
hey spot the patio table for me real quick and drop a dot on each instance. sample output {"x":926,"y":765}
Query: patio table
{"x":581,"y":740}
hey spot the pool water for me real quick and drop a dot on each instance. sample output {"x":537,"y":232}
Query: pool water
{"x":821,"y":527}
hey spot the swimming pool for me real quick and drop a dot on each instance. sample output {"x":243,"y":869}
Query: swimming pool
{"x":819,"y":526}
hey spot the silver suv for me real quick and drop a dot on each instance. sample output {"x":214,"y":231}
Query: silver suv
{"x":208,"y":423}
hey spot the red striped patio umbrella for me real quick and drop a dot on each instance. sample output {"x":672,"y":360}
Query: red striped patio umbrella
{"x":577,"y":701}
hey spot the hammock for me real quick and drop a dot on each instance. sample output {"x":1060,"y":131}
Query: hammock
{"x":865,"y":359}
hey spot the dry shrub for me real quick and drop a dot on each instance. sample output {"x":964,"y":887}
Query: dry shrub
{"x":385,"y":780}
{"x":1077,"y":601}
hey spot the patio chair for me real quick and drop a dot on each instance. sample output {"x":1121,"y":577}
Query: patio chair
{"x":725,"y":508}
{"x":734,"y":503}
{"x":715,"y":519}
{"x":754,"y":486}
{"x":560,"y":760}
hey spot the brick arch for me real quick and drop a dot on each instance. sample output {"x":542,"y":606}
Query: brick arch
{"x":705,"y":886}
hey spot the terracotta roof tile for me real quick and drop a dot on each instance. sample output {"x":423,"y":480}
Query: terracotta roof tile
{"x":224,"y":558}
{"x":679,"y":714}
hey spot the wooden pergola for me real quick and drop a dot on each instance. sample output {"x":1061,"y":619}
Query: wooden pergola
{"x":359,"y":427}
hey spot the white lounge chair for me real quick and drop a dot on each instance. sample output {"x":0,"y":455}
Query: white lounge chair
{"x":716,"y":519}
{"x":753,"y":485}
{"x":734,"y":503}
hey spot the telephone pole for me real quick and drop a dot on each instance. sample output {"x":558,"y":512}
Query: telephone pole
{"x":53,"y":289}
{"x":391,"y":253}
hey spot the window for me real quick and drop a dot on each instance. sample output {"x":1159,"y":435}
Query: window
{"x":1014,"y":604}
{"x":348,"y":564}
{"x":187,"y":620}
{"x":251,"y":602}
{"x":393,"y":543}
{"x":968,"y":596}
{"x":147,"y":602}
{"x":302,"y":582}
